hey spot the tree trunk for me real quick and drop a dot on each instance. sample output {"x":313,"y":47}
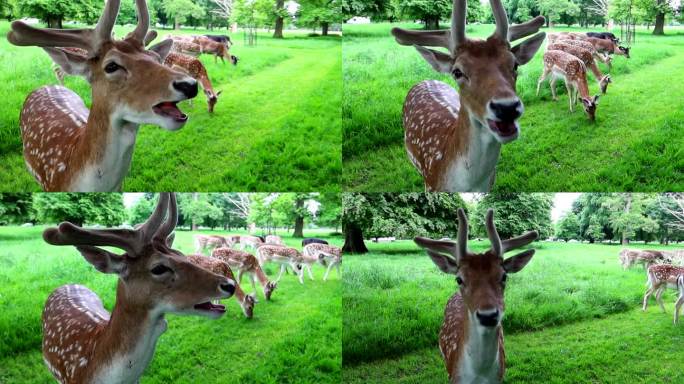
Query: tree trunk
{"x":431,"y":22}
{"x":299,"y":219}
{"x":658,"y":29}
{"x":324,"y":29}
{"x":176,"y":24}
{"x":194,"y":224}
{"x":628,"y":206}
{"x":278,"y":32}
{"x":353,"y":240}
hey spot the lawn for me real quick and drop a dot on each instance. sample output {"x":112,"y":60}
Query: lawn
{"x":572,"y":316}
{"x":635,"y":144}
{"x":276,"y":125}
{"x":294,"y":338}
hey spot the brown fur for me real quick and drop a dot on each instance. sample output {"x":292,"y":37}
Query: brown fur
{"x":203,"y":242}
{"x":660,"y":277}
{"x":245,"y":263}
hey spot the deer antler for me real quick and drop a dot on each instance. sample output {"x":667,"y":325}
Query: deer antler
{"x":500,"y":19}
{"x":450,"y":39}
{"x":89,"y":39}
{"x":131,"y":240}
{"x":140,"y":31}
{"x":462,"y":235}
{"x":500,"y":247}
{"x":518,"y":31}
{"x":492,"y":233}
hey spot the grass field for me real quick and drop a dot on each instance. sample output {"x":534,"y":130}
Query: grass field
{"x":276,"y":125}
{"x":294,"y":338}
{"x":635,"y":144}
{"x":572,"y":316}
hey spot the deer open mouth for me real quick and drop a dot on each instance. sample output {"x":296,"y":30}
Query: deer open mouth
{"x":503,"y":128}
{"x":170,"y":109}
{"x":208,"y":307}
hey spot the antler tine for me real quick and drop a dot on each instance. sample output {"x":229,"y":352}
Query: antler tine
{"x":501,"y":20}
{"x":104,"y":27}
{"x":492,"y":233}
{"x":70,"y":234}
{"x":458,"y":21}
{"x":22,"y":34}
{"x":518,"y":31}
{"x":170,"y":224}
{"x":520,"y":241}
{"x":462,"y":235}
{"x":151,"y":225}
{"x":149,"y":37}
{"x":143,"y":21}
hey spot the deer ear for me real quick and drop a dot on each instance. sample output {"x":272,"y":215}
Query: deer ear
{"x":71,"y":63}
{"x":104,"y":261}
{"x":445,"y":263}
{"x":596,"y":99}
{"x":516,"y":263}
{"x":440,"y":61}
{"x":170,"y":239}
{"x":162,"y":48}
{"x":524,"y":52}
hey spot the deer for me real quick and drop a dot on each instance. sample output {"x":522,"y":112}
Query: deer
{"x":660,"y":277}
{"x":195,"y":69}
{"x":680,"y":298}
{"x":70,"y":148}
{"x":284,"y":256}
{"x":587,"y":58}
{"x":629,"y":257}
{"x":210,"y":242}
{"x":273,"y":239}
{"x":608,"y":47}
{"x":82,"y":342}
{"x":471,"y":337}
{"x":246,"y":263}
{"x":604,"y":58}
{"x":218,"y":49}
{"x":325,"y":254}
{"x":313,"y":240}
{"x":221,"y":268}
{"x":253,"y":242}
{"x":572,"y":70}
{"x":454,"y":139}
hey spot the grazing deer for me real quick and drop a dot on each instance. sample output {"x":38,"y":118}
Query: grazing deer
{"x":223,"y":269}
{"x":82,"y":342}
{"x":608,"y":47}
{"x":219,"y":50}
{"x":588,"y":59}
{"x":471,"y":338}
{"x":572,"y":70}
{"x":313,"y":240}
{"x":195,"y":69}
{"x":660,"y":277}
{"x":603,"y":35}
{"x":629,"y":257}
{"x":246,"y":263}
{"x":325,"y":254}
{"x":275,"y":240}
{"x":454,"y":140}
{"x":253,"y":242}
{"x":70,"y":148}
{"x":210,"y":242}
{"x":604,"y":58}
{"x":680,"y":299}
{"x":284,"y":256}
{"x":185,"y":47}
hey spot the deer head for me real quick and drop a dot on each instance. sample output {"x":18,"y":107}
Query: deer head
{"x":212,"y":98}
{"x":127,"y":80}
{"x":269,"y":288}
{"x":590,"y":104}
{"x":486,"y":71}
{"x":623,"y":51}
{"x":481,"y":277}
{"x":155,"y":276}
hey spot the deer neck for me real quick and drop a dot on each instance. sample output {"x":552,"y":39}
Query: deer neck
{"x":263,"y":279}
{"x":126,"y":345}
{"x":206,"y":84}
{"x":475,"y":155}
{"x":582,"y":86}
{"x":480,"y":360}
{"x":105,"y":149}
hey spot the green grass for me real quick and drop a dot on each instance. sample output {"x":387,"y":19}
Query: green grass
{"x":276,"y":125}
{"x":635,"y":144}
{"x":294,"y":338}
{"x":572,"y":316}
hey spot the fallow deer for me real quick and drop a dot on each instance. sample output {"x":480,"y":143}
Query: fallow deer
{"x":559,"y":64}
{"x":246,"y":263}
{"x":608,"y":47}
{"x":221,"y":268}
{"x":218,"y":49}
{"x":326,"y":254}
{"x":680,"y":298}
{"x":247,"y":241}
{"x":587,"y":58}
{"x":313,"y":240}
{"x":70,"y":148}
{"x":82,"y":342}
{"x":604,"y":58}
{"x":629,"y":257}
{"x":275,"y":240}
{"x":660,"y":277}
{"x":186,"y":47}
{"x":195,"y":69}
{"x":454,"y":140}
{"x":471,"y":338}
{"x":283,"y":256}
{"x":210,"y":242}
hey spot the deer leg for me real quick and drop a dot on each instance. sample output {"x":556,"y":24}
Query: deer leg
{"x":543,"y":77}
{"x":678,"y":305}
{"x":239,"y":276}
{"x":282,"y":268}
{"x":648,"y":293}
{"x":553,"y":89}
{"x":308,"y":267}
{"x":570,"y":94}
{"x":254,"y":288}
{"x":325,"y":278}
{"x":659,"y":298}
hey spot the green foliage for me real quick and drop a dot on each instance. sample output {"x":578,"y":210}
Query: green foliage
{"x":106,"y":209}
{"x":141,"y":210}
{"x":568,"y":227}
{"x":51,"y":11}
{"x":426,"y":10}
{"x":553,"y":9}
{"x":15,"y":208}
{"x":514,"y":214}
{"x":181,"y":10}
{"x":319,"y":12}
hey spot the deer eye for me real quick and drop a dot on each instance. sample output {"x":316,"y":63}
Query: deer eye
{"x":459,"y":280}
{"x":458,"y":74}
{"x":112,"y":67}
{"x":160,"y":270}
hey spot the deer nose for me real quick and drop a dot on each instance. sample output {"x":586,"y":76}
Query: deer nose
{"x":488,"y":318}
{"x":188,"y":88}
{"x":228,"y":287}
{"x":506,"y":110}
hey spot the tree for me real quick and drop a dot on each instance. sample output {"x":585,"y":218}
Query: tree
{"x":106,"y":209}
{"x":223,"y":9}
{"x":515,"y":213}
{"x":142,"y":209}
{"x":627,"y":216}
{"x":52,"y":12}
{"x":553,"y":9}
{"x":568,"y":227}
{"x":280,"y":14}
{"x":330,"y":212}
{"x":429,"y":11}
{"x":181,"y":10}
{"x":199,"y":210}
{"x":15,"y":208}
{"x":376,"y":9}
{"x":320,"y":12}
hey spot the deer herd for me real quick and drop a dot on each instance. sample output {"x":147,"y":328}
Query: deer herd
{"x":84,"y":343}
{"x":454,"y":138}
{"x":68,"y":147}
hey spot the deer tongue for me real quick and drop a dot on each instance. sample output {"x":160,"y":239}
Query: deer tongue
{"x":170,"y":109}
{"x":207,"y":306}
{"x":503,"y":128}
